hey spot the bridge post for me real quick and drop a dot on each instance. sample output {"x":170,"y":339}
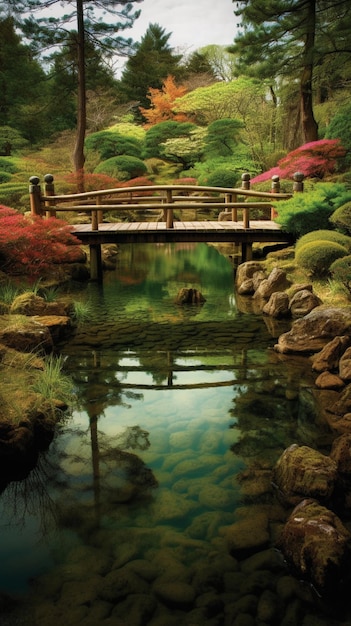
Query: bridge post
{"x":275,"y":188}
{"x":298,"y":182}
{"x":95,"y":262}
{"x":246,"y":184}
{"x":169,"y":213}
{"x":49,"y":190}
{"x":35,"y":196}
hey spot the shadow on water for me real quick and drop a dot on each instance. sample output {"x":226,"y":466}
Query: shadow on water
{"x":178,"y":419}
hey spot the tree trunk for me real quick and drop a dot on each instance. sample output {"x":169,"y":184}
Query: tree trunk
{"x":309,"y":124}
{"x":78,"y":153}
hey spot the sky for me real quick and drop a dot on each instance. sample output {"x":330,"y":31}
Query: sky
{"x":193,"y":23}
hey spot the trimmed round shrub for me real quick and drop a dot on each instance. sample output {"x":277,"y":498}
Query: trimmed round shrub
{"x":4,"y":176}
{"x":8,"y":165}
{"x":340,"y":270}
{"x":317,"y":256}
{"x":341,"y":218}
{"x":222,"y":177}
{"x":122,"y":167}
{"x":325,"y":235}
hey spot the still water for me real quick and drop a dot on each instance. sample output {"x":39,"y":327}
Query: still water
{"x":180,"y":414}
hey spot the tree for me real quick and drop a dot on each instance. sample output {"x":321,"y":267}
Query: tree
{"x":162,"y":101}
{"x":22,"y":85}
{"x":290,"y":39}
{"x":223,"y":137}
{"x":83,"y":24}
{"x":157,"y":135}
{"x":149,"y":66}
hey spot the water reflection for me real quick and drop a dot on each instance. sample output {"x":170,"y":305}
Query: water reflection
{"x":177,"y":425}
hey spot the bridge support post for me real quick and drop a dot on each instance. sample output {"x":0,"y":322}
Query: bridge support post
{"x":246,"y":252}
{"x":95,"y":262}
{"x":35,"y":195}
{"x":49,"y":190}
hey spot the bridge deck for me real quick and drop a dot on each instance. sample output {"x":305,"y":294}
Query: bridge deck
{"x":145,"y":232}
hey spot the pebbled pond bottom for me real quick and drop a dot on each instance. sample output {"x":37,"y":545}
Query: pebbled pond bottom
{"x":153,"y":505}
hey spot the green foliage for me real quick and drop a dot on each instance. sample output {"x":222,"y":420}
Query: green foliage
{"x":222,"y":137}
{"x":340,"y":271}
{"x":10,"y":140}
{"x":324,"y":235}
{"x":109,"y":144}
{"x":52,"y":384}
{"x":157,"y":135}
{"x":8,"y":164}
{"x":122,"y":167}
{"x":317,"y":256}
{"x":15,"y":195}
{"x":185,"y":150}
{"x":310,"y":210}
{"x":339,"y":128}
{"x":151,"y":63}
{"x":341,"y":218}
{"x":5,"y":177}
{"x":222,"y":177}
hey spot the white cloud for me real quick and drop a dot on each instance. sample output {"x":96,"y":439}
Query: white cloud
{"x":193,"y":23}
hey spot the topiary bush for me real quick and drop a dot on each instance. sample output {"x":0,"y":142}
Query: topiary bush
{"x":341,"y":218}
{"x":122,"y":167}
{"x":109,"y":144}
{"x":310,"y":210}
{"x":15,"y":195}
{"x":317,"y":256}
{"x":222,"y":177}
{"x":340,"y":271}
{"x":325,"y":235}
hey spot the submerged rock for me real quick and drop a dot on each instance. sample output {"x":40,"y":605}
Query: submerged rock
{"x":316,"y":543}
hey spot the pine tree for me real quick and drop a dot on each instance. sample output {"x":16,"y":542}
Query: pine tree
{"x":84,"y":23}
{"x":290,"y":38}
{"x":149,"y":66}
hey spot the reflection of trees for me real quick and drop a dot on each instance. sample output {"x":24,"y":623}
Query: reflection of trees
{"x":268,"y":411}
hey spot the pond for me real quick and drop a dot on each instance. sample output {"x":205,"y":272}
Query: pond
{"x":181,"y":412}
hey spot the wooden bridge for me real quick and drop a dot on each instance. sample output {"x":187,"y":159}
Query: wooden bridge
{"x":157,"y":205}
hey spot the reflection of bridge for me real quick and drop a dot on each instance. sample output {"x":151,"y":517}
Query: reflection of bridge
{"x":157,"y":204}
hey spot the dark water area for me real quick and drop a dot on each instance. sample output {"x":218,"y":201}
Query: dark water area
{"x":180,"y":413}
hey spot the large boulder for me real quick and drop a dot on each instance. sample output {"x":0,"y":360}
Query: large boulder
{"x":328,"y":358}
{"x":316,"y":543}
{"x":276,"y":281}
{"x":312,"y":332}
{"x":277,"y":305}
{"x":302,"y":472}
{"x":303,"y":302}
{"x":27,"y":336}
{"x":29,"y":303}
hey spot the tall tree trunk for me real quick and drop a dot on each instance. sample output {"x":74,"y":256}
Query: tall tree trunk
{"x":78,"y":153}
{"x":309,"y":124}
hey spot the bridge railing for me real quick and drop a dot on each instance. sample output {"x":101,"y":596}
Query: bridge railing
{"x":164,"y":197}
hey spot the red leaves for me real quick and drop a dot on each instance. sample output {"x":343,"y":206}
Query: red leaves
{"x":315,"y":159}
{"x":31,"y":244}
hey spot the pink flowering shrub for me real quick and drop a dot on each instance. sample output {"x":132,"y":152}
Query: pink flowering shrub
{"x":315,"y":160}
{"x":29,"y":245}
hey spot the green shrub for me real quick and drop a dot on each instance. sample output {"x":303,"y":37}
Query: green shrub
{"x":4,"y":176}
{"x":341,"y":218}
{"x":317,"y":256}
{"x":325,"y":235}
{"x":122,"y":167}
{"x":110,"y":144}
{"x":15,"y":195}
{"x":222,"y":177}
{"x":7,"y":165}
{"x":311,"y":210}
{"x":340,"y":271}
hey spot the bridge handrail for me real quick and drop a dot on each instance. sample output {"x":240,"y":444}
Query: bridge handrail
{"x":47,"y":202}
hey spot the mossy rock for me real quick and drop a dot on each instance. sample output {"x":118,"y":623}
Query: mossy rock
{"x":317,"y":256}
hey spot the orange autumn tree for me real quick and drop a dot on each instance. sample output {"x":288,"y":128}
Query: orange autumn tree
{"x":162,"y":102}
